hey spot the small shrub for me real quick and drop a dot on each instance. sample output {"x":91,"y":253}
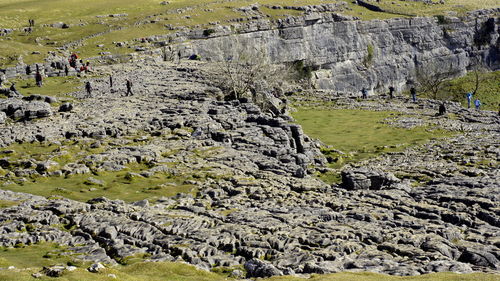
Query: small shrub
{"x":442,"y":19}
{"x":208,"y":32}
{"x":369,"y":55}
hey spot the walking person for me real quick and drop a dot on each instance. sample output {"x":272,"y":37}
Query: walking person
{"x":88,"y":87}
{"x":477,"y":103}
{"x":38,"y":79}
{"x":469,"y":99}
{"x":413,"y":93}
{"x":129,"y":88}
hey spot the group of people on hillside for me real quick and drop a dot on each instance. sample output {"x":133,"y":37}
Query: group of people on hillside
{"x":73,"y":61}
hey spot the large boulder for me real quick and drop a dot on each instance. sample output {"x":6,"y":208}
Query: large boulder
{"x":36,"y":109}
{"x":364,"y":178}
{"x":480,"y":258}
{"x":259,"y":268}
{"x":18,"y":108}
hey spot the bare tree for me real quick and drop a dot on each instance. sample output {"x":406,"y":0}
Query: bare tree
{"x":249,"y":74}
{"x":477,"y":69}
{"x":431,"y":78}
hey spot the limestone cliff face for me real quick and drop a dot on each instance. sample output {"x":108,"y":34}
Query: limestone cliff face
{"x":354,"y":54}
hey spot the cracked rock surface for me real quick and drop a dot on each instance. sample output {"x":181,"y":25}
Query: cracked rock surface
{"x":430,"y":208}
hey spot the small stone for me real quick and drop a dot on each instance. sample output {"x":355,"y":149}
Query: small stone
{"x":96,"y":267}
{"x":54,"y":271}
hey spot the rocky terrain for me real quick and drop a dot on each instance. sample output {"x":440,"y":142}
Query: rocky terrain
{"x":254,"y":201}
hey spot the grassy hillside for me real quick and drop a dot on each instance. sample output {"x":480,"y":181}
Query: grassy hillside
{"x":90,"y":22}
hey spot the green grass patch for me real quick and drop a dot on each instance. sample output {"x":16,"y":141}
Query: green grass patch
{"x":8,"y":203}
{"x":124,"y":185}
{"x":65,"y":152}
{"x":52,"y":86}
{"x":355,"y":135}
{"x":360,"y":133}
{"x":36,"y":255}
{"x":422,"y":9}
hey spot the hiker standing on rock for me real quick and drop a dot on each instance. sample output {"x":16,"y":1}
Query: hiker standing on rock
{"x":38,"y":79}
{"x":88,"y":87}
{"x":129,"y":88}
{"x":391,"y":92}
{"x":413,"y":93}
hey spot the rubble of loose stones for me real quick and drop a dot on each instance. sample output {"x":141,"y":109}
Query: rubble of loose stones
{"x":428,"y":209}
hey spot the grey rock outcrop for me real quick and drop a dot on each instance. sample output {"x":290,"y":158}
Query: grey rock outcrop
{"x":18,"y":108}
{"x":363,"y":178}
{"x":355,"y":54}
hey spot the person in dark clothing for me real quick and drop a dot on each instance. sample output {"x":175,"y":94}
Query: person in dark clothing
{"x":66,"y":70}
{"x":442,"y":109}
{"x":391,"y":92}
{"x":88,"y":87}
{"x":28,"y":70}
{"x":364,"y":93}
{"x":38,"y":79}
{"x":413,"y":93}
{"x":129,"y":88}
{"x":13,"y":89}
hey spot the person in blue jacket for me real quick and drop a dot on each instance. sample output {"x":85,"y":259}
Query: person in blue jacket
{"x":469,"y":99}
